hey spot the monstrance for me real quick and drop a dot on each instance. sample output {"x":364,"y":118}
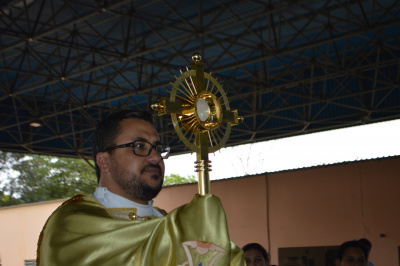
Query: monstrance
{"x":201,"y":116}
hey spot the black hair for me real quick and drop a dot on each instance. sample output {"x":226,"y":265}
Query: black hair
{"x":366,"y":242}
{"x":258,"y":247}
{"x":109,"y":128}
{"x":351,"y":244}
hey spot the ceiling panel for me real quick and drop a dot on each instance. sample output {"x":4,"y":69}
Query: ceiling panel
{"x":289,"y":67}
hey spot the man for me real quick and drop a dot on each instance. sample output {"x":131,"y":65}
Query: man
{"x":129,"y":163}
{"x":118,"y":224}
{"x":255,"y":255}
{"x":351,"y":253}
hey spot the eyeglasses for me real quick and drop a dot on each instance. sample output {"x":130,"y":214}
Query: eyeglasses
{"x":143,"y":148}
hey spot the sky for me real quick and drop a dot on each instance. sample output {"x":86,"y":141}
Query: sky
{"x":369,"y":141}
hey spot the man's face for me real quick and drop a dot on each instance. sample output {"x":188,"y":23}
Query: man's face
{"x":134,"y":177}
{"x":353,"y":256}
{"x":254,"y":257}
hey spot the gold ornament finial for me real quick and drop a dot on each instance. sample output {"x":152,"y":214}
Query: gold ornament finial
{"x":155,"y":106}
{"x":196,"y":57}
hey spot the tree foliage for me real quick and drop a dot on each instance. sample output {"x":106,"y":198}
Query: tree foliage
{"x":43,"y":178}
{"x":174,"y":179}
{"x":29,"y":178}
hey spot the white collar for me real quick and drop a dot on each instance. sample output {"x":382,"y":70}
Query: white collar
{"x":111,"y":200}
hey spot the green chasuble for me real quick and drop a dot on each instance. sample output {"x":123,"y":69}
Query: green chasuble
{"x":82,"y":232}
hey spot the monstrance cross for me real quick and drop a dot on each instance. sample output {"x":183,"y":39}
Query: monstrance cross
{"x":201,"y":116}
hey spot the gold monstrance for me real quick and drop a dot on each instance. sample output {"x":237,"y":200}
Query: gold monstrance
{"x":201,"y":116}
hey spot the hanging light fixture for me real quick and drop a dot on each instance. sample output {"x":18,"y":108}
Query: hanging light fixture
{"x":35,"y":124}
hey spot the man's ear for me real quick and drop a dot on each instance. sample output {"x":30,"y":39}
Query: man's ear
{"x":102,"y":160}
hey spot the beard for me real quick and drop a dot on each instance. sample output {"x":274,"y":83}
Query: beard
{"x":134,"y":185}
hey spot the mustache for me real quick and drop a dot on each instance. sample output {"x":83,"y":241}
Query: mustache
{"x":151,"y":165}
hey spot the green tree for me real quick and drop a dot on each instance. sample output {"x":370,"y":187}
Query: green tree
{"x":32,"y":178}
{"x":8,"y":183}
{"x":43,"y":178}
{"x":174,"y":179}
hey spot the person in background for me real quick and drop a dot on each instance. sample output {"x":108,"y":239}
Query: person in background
{"x":352,"y":253}
{"x":255,"y":255}
{"x":368,"y":244}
